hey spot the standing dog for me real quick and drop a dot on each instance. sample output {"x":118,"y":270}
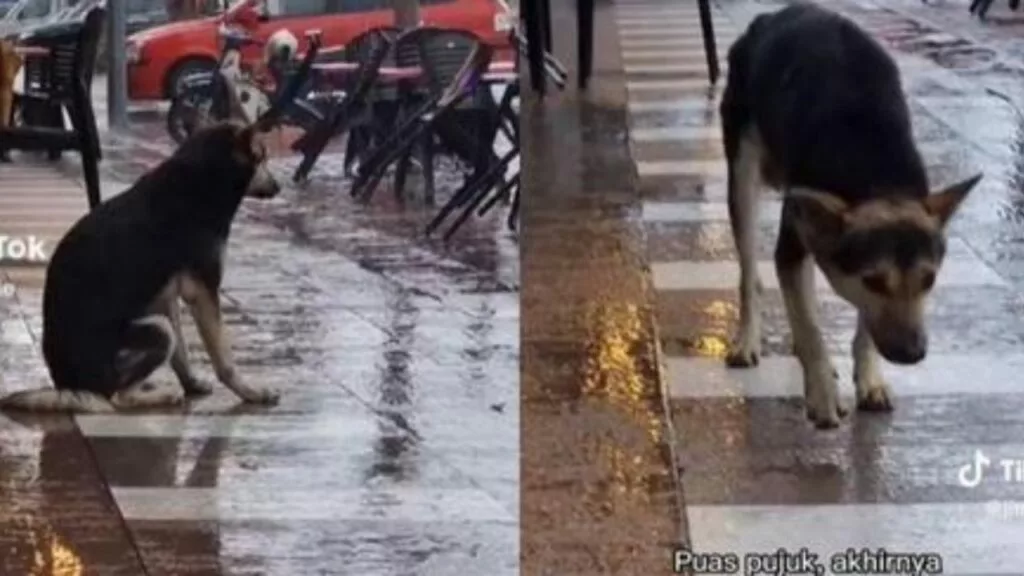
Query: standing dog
{"x":814,"y":107}
{"x":111,"y":300}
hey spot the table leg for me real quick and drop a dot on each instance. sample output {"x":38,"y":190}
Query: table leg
{"x":585,"y":38}
{"x":708,"y":33}
{"x":535,"y":45}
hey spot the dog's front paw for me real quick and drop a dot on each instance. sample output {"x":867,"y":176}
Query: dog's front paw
{"x":823,"y":406}
{"x":874,"y":396}
{"x":258,"y":395}
{"x":744,"y":352}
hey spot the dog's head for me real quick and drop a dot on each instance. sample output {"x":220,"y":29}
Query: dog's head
{"x":233,"y":152}
{"x":882,"y":256}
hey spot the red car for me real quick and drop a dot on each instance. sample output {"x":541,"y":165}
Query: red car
{"x":160,"y":57}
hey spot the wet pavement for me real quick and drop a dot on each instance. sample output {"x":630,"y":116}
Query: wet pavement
{"x":756,"y":476}
{"x":394,"y":449}
{"x":599,"y":492}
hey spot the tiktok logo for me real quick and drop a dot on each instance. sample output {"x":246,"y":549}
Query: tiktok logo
{"x":971,"y":474}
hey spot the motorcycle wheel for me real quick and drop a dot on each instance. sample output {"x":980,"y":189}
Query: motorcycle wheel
{"x":189,"y":110}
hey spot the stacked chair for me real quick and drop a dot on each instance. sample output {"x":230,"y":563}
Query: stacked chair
{"x":483,"y":191}
{"x":354,"y":110}
{"x":58,"y":82}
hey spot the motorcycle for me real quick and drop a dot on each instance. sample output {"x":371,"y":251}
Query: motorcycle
{"x":204,"y":96}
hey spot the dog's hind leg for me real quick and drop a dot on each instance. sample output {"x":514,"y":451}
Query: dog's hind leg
{"x":872,"y":390}
{"x":54,"y":400}
{"x":147,"y":345}
{"x":795,"y":270}
{"x":744,"y":201}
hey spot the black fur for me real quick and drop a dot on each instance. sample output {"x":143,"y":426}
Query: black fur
{"x":828,"y":104}
{"x":110,"y":267}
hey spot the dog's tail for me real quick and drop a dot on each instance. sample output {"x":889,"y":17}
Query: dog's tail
{"x":53,"y":400}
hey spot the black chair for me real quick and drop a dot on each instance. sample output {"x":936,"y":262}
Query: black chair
{"x":551,"y":68}
{"x":381,"y":101}
{"x":61,"y":81}
{"x":370,"y":51}
{"x":476,"y":192}
{"x":445,"y":105}
{"x":981,"y":7}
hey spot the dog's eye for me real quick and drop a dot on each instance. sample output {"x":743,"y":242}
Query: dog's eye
{"x":927,"y":281}
{"x":876,"y":283}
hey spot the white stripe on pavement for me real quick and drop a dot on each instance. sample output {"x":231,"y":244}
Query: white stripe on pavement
{"x":684,"y":104}
{"x":673,"y":32}
{"x":408,"y":504}
{"x":676,"y":134}
{"x":692,"y":68}
{"x":973,"y":538}
{"x":782,"y":377}
{"x":699,"y":212}
{"x":696,"y":168}
{"x":667,"y":19}
{"x":669,"y":42}
{"x":687,"y":54}
{"x":725,"y":275}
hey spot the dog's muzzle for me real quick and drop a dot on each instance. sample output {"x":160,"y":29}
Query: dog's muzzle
{"x":263,"y":184}
{"x":902,"y":345}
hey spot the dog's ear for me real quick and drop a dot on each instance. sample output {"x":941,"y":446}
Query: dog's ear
{"x":821,"y":213}
{"x":249,"y":146}
{"x":944,"y":203}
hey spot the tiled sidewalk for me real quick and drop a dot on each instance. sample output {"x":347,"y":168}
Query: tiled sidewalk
{"x":757,"y":476}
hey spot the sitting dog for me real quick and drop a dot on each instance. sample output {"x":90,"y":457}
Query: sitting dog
{"x":814,"y":107}
{"x":111,"y":300}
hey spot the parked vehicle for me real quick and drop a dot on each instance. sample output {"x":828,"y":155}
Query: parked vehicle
{"x":204,"y":95}
{"x":25,"y":14}
{"x":140,"y":15}
{"x":160,"y":58}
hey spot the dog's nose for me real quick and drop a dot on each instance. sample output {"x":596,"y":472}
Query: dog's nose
{"x":909,"y":350}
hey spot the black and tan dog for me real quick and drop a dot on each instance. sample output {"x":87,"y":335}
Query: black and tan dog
{"x":111,"y":300}
{"x":814,"y":107}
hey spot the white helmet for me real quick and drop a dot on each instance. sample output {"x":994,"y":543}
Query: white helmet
{"x":282,"y":45}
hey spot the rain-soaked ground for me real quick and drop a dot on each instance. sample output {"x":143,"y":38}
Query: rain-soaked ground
{"x":394,"y":449}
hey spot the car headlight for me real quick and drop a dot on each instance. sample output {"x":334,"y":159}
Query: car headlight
{"x":132,"y":52}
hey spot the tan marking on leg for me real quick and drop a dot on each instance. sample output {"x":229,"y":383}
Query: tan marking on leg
{"x":205,"y":308}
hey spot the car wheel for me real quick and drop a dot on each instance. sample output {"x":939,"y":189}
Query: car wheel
{"x":184,"y":70}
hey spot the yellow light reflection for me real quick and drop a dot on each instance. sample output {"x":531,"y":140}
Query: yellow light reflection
{"x":52,"y":557}
{"x":619,"y":373}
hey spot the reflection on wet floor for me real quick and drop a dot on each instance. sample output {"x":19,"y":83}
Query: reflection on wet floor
{"x":394,"y":449}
